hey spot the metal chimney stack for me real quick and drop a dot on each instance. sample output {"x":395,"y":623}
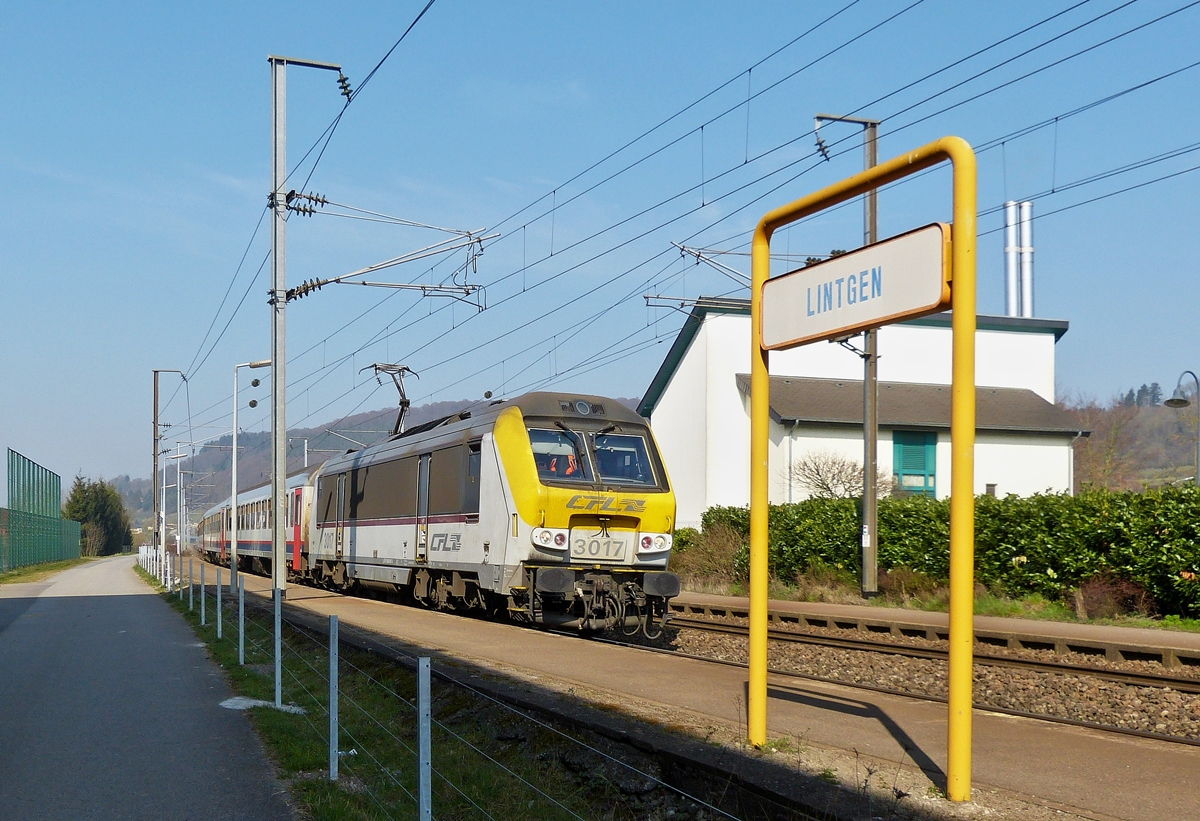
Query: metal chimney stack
{"x":1012,"y":294}
{"x":1026,"y":238}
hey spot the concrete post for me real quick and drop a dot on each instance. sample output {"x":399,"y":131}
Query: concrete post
{"x":424,"y":751}
{"x":219,"y":623}
{"x":203,"y":618}
{"x":278,"y":326}
{"x":241,"y":620}
{"x":333,"y":698}
{"x":277,"y":593}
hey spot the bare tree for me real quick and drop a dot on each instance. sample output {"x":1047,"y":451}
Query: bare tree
{"x":94,"y":538}
{"x":1107,"y":458}
{"x":832,"y":476}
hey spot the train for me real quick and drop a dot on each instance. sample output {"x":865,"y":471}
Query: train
{"x":551,"y":509}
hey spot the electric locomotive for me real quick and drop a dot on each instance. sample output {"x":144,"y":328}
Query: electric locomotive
{"x":552,"y":508}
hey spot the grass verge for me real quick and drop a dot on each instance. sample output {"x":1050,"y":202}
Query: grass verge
{"x":38,"y":572}
{"x":489,"y":762}
{"x":987,"y":603}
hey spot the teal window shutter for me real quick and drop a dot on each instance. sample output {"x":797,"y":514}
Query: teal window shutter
{"x":914,"y":461}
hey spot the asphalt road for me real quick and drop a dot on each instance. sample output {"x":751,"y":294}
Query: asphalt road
{"x":109,"y":708}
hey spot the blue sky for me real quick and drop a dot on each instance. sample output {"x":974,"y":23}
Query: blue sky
{"x":134,"y":159}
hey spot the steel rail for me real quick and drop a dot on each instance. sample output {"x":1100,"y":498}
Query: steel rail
{"x":367,"y":633}
{"x":874,"y":688}
{"x":1182,"y":684}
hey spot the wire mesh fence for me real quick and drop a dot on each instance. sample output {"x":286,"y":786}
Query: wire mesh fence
{"x":29,"y":538}
{"x":483,"y":758}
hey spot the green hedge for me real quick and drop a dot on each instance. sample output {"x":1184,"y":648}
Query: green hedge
{"x":1047,"y":543}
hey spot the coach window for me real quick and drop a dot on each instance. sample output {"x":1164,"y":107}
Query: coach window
{"x":326,"y":493}
{"x":471,"y":490}
{"x":385,"y":490}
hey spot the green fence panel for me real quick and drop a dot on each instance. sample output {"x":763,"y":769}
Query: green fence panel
{"x":26,"y":538}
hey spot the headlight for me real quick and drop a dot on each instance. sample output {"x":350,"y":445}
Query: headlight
{"x":660,"y":542}
{"x":544,"y":538}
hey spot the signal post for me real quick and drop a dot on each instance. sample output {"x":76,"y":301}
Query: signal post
{"x":914,"y":274}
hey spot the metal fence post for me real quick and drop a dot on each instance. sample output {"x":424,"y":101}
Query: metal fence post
{"x":278,"y":657}
{"x":333,"y":698}
{"x":424,"y":753}
{"x":219,"y":622}
{"x":191,"y":587}
{"x":241,"y":620}
{"x":203,"y":617}
{"x":179,"y":576}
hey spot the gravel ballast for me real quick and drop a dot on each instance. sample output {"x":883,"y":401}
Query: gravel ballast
{"x":1159,"y":710}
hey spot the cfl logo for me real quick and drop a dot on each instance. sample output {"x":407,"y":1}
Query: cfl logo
{"x":605,"y":504}
{"x":446,"y":542}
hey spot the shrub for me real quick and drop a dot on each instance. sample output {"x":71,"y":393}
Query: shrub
{"x":711,"y":556}
{"x":1047,"y":544}
{"x":685,"y":537}
{"x":1105,"y":595}
{"x":902,"y":583}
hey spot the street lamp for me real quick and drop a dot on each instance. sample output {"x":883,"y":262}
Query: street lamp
{"x":178,"y":507}
{"x":159,"y":538}
{"x":305,"y":441}
{"x":233,"y":515}
{"x":1179,"y":400}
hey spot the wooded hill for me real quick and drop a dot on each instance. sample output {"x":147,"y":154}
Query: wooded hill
{"x":211,"y":468}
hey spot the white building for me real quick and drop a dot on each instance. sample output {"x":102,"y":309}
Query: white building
{"x":699,"y":407}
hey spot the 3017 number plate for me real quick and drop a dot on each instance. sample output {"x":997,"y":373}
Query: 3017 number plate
{"x":599,"y":546}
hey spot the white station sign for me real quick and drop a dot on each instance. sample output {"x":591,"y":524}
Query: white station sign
{"x":900,"y":278}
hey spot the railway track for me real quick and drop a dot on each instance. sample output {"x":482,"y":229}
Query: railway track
{"x":1180,"y":683}
{"x":1134,"y":679}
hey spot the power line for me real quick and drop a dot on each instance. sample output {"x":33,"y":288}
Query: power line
{"x":326,"y":136}
{"x":351,"y":97}
{"x":699,"y":128}
{"x":762,"y":91}
{"x":1126,"y":190}
{"x":375,"y":339}
{"x":681,"y":111}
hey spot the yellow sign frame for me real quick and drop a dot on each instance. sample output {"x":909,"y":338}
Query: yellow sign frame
{"x":962,"y":436}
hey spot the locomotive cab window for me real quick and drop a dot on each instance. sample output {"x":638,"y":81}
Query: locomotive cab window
{"x":623,"y":459}
{"x":559,"y":456}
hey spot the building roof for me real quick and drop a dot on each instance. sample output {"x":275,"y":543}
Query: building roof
{"x":796,"y":400}
{"x":741,"y":307}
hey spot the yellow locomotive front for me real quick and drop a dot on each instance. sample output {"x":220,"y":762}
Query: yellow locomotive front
{"x":594,"y":513}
